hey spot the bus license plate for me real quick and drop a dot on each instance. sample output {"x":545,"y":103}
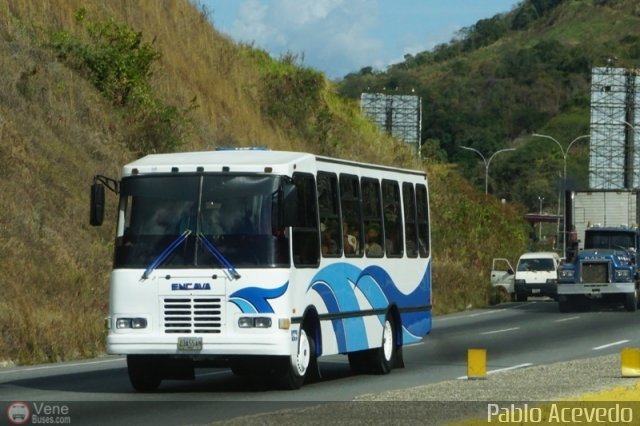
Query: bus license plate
{"x":190,"y":343}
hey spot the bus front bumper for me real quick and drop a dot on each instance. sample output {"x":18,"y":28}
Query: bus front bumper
{"x":250,"y":344}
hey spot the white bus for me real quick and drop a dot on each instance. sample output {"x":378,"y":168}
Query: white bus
{"x":262,"y":261}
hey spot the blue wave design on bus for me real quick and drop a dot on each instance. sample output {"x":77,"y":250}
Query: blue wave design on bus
{"x":253,"y":300}
{"x":336,"y":286}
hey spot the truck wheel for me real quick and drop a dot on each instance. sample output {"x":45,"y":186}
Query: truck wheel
{"x":521,"y":297}
{"x":631,"y":301}
{"x":564,"y":304}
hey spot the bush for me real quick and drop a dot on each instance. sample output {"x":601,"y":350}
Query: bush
{"x":119,"y":64}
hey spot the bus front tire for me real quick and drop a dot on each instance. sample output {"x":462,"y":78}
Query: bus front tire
{"x":144,"y":373}
{"x":298,"y":367}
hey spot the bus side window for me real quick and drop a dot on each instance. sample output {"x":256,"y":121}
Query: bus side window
{"x":372,"y":218}
{"x":410,"y":223}
{"x":392,"y":218}
{"x":306,"y":238}
{"x":422,"y":204}
{"x":351,"y":215}
{"x":330,"y":229}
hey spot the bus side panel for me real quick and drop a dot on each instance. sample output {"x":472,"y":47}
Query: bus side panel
{"x":418,"y":324}
{"x":352,"y":298}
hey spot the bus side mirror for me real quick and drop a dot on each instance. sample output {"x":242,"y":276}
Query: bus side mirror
{"x":290,"y":205}
{"x":96,"y":207}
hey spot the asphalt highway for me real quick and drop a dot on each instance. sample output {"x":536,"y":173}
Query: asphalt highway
{"x":516,"y":336}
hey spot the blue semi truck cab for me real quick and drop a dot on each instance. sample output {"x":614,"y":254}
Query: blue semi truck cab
{"x":606,"y":269}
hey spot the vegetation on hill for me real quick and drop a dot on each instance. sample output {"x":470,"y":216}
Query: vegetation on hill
{"x":66,"y":114}
{"x":517,"y":73}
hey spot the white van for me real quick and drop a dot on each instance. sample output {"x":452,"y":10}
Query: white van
{"x":537,"y":275}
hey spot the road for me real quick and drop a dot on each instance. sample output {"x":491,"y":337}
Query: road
{"x":515,"y":335}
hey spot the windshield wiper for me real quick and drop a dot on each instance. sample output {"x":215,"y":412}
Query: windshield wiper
{"x":219,"y":256}
{"x":163,"y":256}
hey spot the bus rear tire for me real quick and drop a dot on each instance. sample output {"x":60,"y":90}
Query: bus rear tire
{"x":383,"y":358}
{"x":379,"y":360}
{"x":144,"y":373}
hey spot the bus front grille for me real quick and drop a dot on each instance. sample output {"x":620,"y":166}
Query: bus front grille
{"x":186,"y":315}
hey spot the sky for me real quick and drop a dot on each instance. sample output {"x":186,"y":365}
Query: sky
{"x":338,"y":37}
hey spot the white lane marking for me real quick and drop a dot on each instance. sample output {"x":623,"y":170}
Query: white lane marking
{"x":477,"y":314}
{"x":500,"y":370}
{"x":462,"y":316}
{"x":54,"y":366}
{"x":567,"y":319}
{"x":608,"y":345}
{"x":501,"y":331}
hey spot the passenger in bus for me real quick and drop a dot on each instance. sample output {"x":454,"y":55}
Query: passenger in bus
{"x":350,"y":240}
{"x":373,"y":247}
{"x":329,"y":245}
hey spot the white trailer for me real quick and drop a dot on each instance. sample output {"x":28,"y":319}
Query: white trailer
{"x":602,"y":208}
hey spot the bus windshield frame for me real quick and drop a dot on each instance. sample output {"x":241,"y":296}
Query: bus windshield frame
{"x":237,"y":213}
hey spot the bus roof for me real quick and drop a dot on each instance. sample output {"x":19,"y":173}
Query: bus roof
{"x":242,"y":160}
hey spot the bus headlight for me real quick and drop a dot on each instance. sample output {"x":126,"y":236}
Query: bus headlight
{"x":262,"y":322}
{"x":254,"y":322}
{"x":245,"y":322}
{"x":134,"y":323}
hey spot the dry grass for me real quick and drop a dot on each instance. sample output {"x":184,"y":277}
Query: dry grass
{"x":56,"y":132}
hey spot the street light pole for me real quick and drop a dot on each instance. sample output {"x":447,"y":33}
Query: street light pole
{"x":565,"y":153}
{"x":541,"y":199}
{"x":487,"y":163}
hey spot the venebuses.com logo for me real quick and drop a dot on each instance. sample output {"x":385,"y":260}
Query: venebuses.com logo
{"x":18,"y":413}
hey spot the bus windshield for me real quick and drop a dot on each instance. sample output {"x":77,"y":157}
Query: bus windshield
{"x":235,"y":213}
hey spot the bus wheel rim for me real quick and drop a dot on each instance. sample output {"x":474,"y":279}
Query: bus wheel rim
{"x":304,"y":354}
{"x":387,"y":340}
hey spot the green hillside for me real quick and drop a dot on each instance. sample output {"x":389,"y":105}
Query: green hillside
{"x":86,"y":86}
{"x":508,"y":76}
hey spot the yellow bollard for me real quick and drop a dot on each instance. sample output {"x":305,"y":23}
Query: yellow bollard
{"x":630,"y":362}
{"x":476,"y":364}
